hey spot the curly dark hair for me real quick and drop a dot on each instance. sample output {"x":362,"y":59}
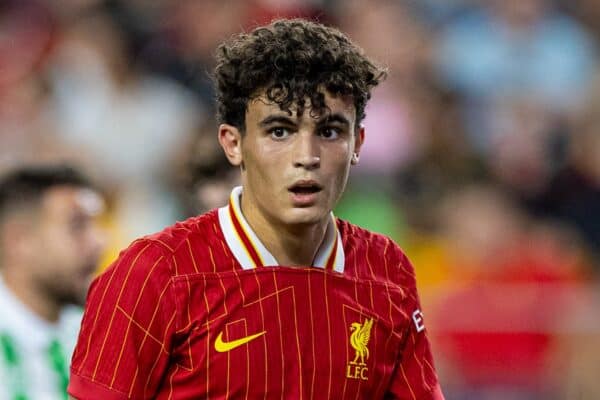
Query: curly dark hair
{"x":291,"y":61}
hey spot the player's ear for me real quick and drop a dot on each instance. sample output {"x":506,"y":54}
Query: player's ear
{"x":359,"y":139}
{"x":230,"y":139}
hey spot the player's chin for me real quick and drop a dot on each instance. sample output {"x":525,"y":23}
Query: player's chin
{"x":306,"y":215}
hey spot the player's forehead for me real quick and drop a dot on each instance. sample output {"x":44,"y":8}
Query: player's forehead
{"x":260,"y":107}
{"x":63,"y":200}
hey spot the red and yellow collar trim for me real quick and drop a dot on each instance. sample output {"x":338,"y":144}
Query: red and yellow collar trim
{"x":251,"y":253}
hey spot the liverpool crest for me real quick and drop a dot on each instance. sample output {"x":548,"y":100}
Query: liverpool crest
{"x":359,"y":340}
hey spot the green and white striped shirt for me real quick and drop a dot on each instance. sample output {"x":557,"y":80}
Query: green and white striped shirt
{"x":34,"y":354}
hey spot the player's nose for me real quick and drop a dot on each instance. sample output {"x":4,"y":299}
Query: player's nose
{"x":306,"y":151}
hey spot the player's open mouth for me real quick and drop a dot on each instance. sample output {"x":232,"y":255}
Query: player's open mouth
{"x":305,"y":187}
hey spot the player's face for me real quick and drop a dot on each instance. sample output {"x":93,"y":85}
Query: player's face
{"x":295,"y":166}
{"x":69,"y":243}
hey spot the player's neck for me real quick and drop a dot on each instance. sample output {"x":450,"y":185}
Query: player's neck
{"x":32,"y":297}
{"x":295,"y":245}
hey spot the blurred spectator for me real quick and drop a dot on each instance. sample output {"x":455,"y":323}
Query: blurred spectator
{"x":49,"y":249}
{"x":26,"y":34}
{"x":131,"y":122}
{"x":204,"y":176}
{"x":576,"y":190}
{"x":515,"y":48}
{"x":187,"y":33}
{"x":398,"y":115}
{"x":512,"y":301}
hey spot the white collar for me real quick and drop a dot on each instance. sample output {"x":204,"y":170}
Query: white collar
{"x":251,"y":253}
{"x":20,"y":321}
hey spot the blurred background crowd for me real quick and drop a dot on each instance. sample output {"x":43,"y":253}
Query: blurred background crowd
{"x":482,"y":156}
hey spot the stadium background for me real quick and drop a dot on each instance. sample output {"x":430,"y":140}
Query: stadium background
{"x":482,"y":157}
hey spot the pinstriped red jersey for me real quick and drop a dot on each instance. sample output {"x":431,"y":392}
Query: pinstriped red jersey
{"x":202,"y":310}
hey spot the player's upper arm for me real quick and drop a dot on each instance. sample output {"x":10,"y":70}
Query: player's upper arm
{"x":415,"y":376}
{"x":127,"y":328}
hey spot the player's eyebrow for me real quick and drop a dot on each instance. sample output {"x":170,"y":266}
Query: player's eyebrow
{"x":273,"y":119}
{"x":334,"y":118}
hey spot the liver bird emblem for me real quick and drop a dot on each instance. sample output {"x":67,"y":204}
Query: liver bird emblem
{"x":359,"y":339}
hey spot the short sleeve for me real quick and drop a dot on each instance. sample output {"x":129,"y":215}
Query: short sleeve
{"x":126,"y":334}
{"x":414,"y":377}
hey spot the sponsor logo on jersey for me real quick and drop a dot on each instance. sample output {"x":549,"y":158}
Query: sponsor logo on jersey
{"x":222,"y":346}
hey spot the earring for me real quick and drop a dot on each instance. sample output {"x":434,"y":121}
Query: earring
{"x":354,"y":159}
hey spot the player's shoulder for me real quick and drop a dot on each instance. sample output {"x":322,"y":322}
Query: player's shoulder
{"x":161,"y":250}
{"x":364,"y":240}
{"x":201,"y":229}
{"x":380,"y":251}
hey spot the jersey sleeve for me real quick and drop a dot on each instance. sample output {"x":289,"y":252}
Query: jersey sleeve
{"x":127,"y":328}
{"x":414,"y":377}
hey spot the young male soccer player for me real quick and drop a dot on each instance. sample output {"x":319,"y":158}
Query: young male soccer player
{"x":270,"y":296}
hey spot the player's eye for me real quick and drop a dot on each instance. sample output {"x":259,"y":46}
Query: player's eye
{"x":330,"y":132}
{"x":279,"y":133}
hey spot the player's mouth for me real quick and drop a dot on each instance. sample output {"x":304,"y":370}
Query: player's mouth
{"x":304,"y":193}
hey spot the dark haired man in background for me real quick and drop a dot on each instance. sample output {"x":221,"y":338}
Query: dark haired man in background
{"x":270,"y":296}
{"x":49,"y":249}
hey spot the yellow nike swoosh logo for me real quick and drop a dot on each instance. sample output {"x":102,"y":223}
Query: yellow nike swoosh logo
{"x":222,"y":346}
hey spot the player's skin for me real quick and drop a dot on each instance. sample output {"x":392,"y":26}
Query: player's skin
{"x":50,"y":251}
{"x":294,"y":168}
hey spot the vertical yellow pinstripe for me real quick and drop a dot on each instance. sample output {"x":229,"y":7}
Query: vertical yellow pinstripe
{"x":108,"y":331}
{"x":358,"y":302}
{"x":373,"y":356}
{"x":328,"y":334}
{"x":280,"y":334}
{"x":214,"y":266}
{"x":228,"y":364}
{"x":89,"y":339}
{"x":312,"y":335}
{"x":247,"y":362}
{"x":146,"y":334}
{"x":137,"y":301}
{"x":371,"y":294}
{"x":369,"y":261}
{"x":212,"y":259}
{"x":175,"y":264}
{"x":264,"y":339}
{"x":187,"y":240}
{"x":389,"y":298}
{"x":147,"y":385}
{"x":387,"y":342}
{"x":300,"y":380}
{"x":208,"y":340}
{"x":237,"y":276}
{"x":189,"y":316}
{"x":419,"y":362}
{"x":429,"y":365}
{"x":137,"y":370}
{"x":407,"y":382}
{"x":385,"y":261}
{"x":347,"y":347}
{"x":171,"y":382}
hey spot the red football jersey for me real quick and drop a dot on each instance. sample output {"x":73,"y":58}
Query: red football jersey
{"x":202,"y":310}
